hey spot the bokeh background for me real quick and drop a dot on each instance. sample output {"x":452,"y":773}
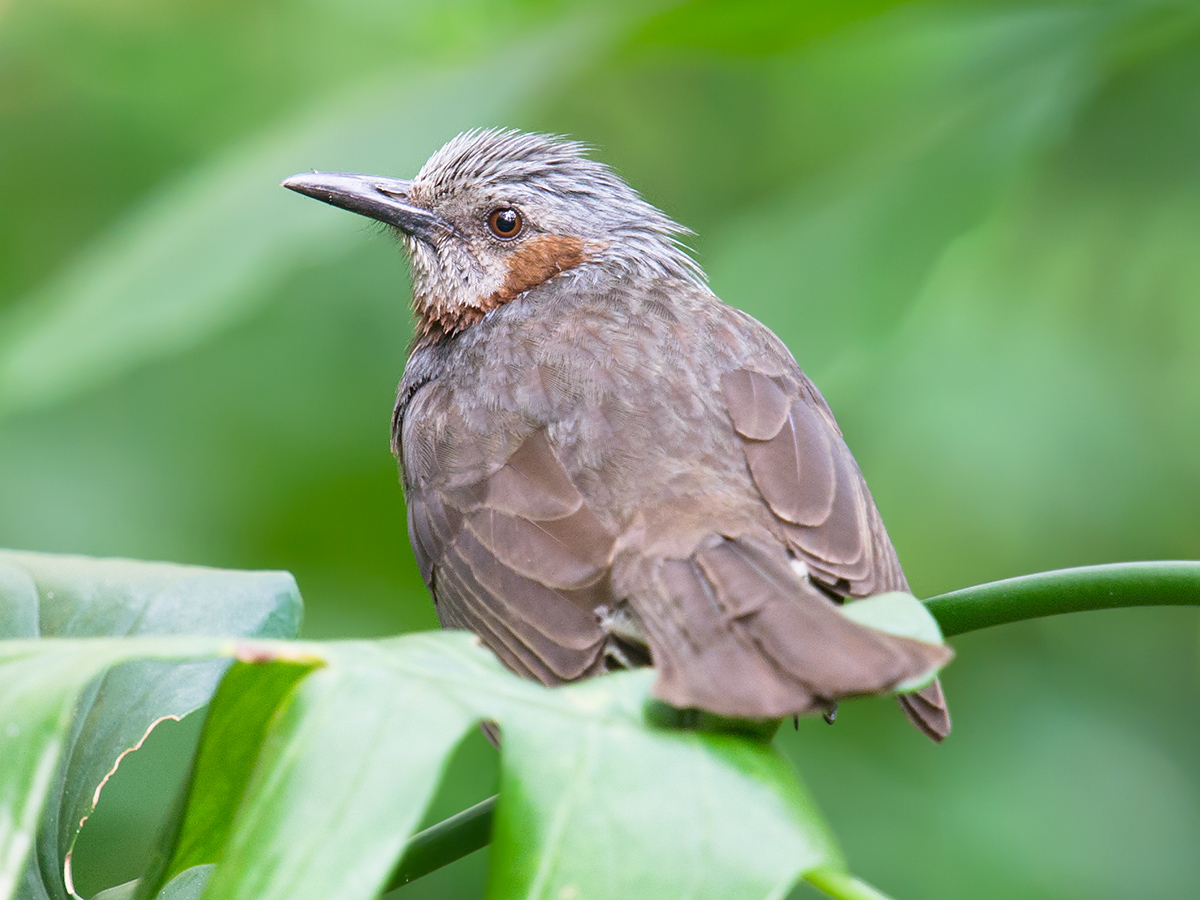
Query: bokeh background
{"x":976,"y":224}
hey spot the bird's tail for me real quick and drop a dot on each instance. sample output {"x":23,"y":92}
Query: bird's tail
{"x":733,"y":630}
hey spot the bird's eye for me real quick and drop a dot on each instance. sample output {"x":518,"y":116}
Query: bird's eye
{"x":505,"y":223}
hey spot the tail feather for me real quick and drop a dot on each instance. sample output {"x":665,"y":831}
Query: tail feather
{"x":927,"y":710}
{"x":735,"y":631}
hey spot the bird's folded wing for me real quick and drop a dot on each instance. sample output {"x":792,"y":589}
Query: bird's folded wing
{"x":519,"y":559}
{"x":809,"y":479}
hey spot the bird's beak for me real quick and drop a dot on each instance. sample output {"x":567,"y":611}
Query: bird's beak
{"x":384,"y":199}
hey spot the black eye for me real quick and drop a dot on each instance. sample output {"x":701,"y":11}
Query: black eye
{"x":505,"y":223}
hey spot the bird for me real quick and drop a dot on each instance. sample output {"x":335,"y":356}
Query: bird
{"x":607,"y":467}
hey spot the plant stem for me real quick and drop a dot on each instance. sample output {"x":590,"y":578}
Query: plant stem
{"x":842,"y":885}
{"x":997,"y":603}
{"x":446,"y":842}
{"x":1067,"y":590}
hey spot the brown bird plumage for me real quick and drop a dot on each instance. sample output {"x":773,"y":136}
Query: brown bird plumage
{"x":605,"y":465}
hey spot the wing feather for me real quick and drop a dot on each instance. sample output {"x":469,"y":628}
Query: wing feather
{"x":519,"y":559}
{"x":569,"y":553}
{"x":795,"y":469}
{"x":758,"y":405}
{"x":808,"y":478}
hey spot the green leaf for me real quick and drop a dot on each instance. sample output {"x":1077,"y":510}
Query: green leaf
{"x":37,"y":699}
{"x":187,"y":885}
{"x":18,"y":602}
{"x":837,"y":883}
{"x":352,"y":757}
{"x":51,"y":595}
{"x":40,"y":684}
{"x":598,"y":799}
{"x":60,"y":596}
{"x":118,"y":892}
{"x":900,"y":614}
{"x":896,"y":613}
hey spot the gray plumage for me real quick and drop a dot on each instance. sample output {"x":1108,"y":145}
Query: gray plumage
{"x":605,"y":465}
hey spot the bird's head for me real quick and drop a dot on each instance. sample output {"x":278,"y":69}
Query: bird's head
{"x":494,"y":214}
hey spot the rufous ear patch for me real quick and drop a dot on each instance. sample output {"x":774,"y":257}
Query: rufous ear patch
{"x":537,"y":261}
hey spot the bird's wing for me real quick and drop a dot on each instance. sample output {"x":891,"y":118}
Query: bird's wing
{"x":518,"y":558}
{"x":809,"y":479}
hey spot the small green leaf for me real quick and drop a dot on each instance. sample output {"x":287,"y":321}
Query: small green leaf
{"x":896,"y":613}
{"x":903,"y":615}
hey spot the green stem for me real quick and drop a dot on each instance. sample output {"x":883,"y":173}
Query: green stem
{"x":842,"y":885}
{"x":1067,"y":590}
{"x":997,"y":603}
{"x":446,"y":842}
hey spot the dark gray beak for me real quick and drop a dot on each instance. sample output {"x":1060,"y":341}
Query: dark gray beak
{"x":384,"y":199}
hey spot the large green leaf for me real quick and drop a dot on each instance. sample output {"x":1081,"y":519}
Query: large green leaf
{"x":37,"y":698}
{"x":50,"y":596}
{"x":318,"y":761}
{"x":597,"y":801}
{"x":236,"y":726}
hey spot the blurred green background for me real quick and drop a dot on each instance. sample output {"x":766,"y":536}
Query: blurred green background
{"x":976,"y":224}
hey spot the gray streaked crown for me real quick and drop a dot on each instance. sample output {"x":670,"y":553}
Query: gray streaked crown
{"x":559,"y":190}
